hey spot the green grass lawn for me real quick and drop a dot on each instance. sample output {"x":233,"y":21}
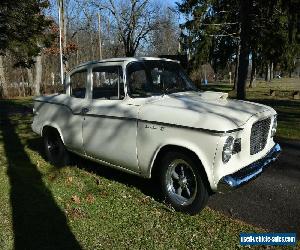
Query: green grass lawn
{"x":89,"y":206}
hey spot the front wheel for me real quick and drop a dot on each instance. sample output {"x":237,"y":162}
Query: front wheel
{"x":55,"y":149}
{"x":182,"y":183}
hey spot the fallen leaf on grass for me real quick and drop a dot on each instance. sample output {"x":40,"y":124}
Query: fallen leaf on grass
{"x":52,"y":177}
{"x":76,"y":199}
{"x":145,"y":200}
{"x":75,"y":212}
{"x":90,"y":198}
{"x":69,"y":180}
{"x":104,"y":193}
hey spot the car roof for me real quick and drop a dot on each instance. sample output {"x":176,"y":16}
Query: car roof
{"x":124,"y":59}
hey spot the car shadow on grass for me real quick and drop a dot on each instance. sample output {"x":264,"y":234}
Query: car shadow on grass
{"x":38,"y":222}
{"x":149,"y":187}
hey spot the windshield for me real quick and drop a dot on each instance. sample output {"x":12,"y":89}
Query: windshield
{"x":148,"y":78}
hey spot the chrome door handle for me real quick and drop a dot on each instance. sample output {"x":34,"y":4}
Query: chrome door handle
{"x":84,"y":110}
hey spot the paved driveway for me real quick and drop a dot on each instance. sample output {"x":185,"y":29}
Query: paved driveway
{"x":272,"y":201}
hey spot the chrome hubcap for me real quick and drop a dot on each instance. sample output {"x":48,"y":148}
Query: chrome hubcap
{"x":53,"y":146}
{"x":181,"y":182}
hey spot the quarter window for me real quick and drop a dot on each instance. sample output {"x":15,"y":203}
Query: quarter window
{"x":78,"y":84}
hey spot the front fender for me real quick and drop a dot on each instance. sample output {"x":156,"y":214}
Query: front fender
{"x":150,"y":141}
{"x":52,"y":125}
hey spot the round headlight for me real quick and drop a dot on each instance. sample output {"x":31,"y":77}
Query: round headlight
{"x":227,"y":149}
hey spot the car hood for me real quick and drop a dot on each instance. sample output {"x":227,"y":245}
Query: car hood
{"x":206,"y":110}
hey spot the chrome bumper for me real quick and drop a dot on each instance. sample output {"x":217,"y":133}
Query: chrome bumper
{"x":248,"y":173}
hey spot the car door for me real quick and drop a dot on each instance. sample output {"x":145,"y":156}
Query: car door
{"x":75,"y":102}
{"x":110,"y":124}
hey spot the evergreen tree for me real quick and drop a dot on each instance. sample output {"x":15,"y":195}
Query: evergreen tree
{"x":221,"y":31}
{"x":22,"y":27}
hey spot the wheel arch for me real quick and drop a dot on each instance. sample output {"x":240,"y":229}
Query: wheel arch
{"x":154,"y":171}
{"x":48,"y":127}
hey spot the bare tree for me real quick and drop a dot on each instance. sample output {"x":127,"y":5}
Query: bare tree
{"x":128,"y":27}
{"x":134,"y":20}
{"x":165,"y":39}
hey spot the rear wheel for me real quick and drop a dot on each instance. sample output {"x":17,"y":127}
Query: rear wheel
{"x":55,"y":149}
{"x":182,"y":183}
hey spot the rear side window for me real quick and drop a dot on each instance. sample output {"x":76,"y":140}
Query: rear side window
{"x":78,"y":84}
{"x":108,"y":83}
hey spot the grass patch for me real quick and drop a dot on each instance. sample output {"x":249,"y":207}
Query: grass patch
{"x":90,"y":206}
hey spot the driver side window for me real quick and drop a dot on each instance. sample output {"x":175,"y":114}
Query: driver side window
{"x":138,"y":80}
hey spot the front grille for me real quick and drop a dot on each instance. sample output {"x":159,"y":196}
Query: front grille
{"x":259,"y":135}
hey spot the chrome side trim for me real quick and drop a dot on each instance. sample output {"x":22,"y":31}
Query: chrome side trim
{"x":191,"y":128}
{"x":248,"y":173}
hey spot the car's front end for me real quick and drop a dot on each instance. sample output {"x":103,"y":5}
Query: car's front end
{"x":245,"y":154}
{"x":198,"y":141}
{"x":245,"y":129}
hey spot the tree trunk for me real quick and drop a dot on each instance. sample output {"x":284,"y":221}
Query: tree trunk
{"x":268,"y":71}
{"x":38,"y":75}
{"x":272,"y":72}
{"x":23,"y":83}
{"x":245,"y":50}
{"x":253,"y":78}
{"x":243,"y":72}
{"x":92,"y":47}
{"x":3,"y":83}
{"x":129,"y":53}
{"x":253,"y":71}
{"x":30,"y":79}
{"x":77,"y":51}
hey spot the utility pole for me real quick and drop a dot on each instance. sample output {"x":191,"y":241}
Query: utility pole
{"x":100,"y":42}
{"x":60,"y":3}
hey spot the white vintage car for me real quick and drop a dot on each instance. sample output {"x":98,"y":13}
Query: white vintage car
{"x":144,"y":116}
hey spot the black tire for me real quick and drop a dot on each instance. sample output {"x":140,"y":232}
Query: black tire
{"x":185,"y":190}
{"x":55,"y":150}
